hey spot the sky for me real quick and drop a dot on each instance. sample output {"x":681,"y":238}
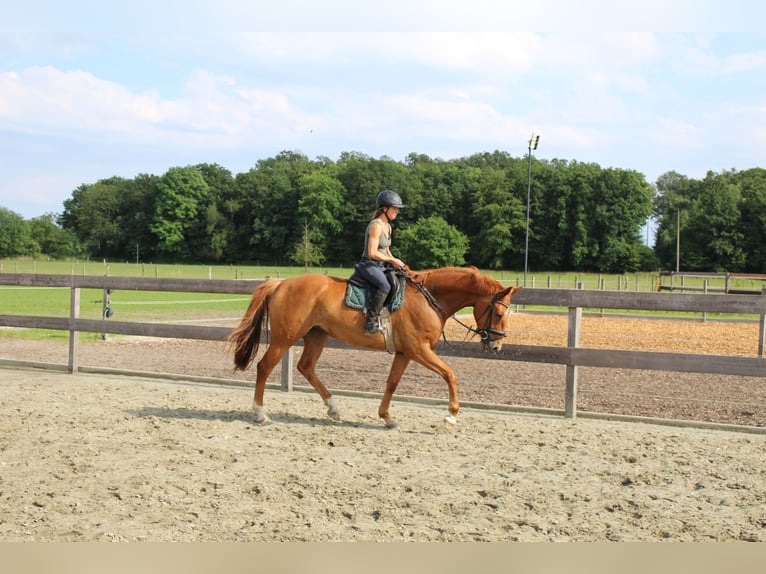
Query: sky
{"x":95,"y":89}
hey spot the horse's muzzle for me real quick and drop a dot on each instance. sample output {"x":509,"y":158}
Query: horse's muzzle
{"x":491,"y":339}
{"x":492,"y":345}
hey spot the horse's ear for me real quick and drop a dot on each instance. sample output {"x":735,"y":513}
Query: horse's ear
{"x":508,"y":291}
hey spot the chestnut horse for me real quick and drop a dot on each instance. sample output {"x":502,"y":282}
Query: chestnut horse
{"x":312,"y":307}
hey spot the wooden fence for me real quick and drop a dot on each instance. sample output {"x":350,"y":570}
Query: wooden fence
{"x":573,"y":356}
{"x":722,"y":282}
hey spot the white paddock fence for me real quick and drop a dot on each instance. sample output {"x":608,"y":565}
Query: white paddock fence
{"x":573,"y":356}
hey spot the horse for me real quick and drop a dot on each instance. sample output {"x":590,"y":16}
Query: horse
{"x":311,"y":307}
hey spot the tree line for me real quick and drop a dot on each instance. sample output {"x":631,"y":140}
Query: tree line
{"x":289,"y":209}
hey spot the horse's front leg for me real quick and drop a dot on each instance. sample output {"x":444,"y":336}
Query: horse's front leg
{"x":394,"y":376}
{"x":433,"y":362}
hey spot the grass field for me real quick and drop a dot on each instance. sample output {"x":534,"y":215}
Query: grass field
{"x":644,"y":281}
{"x":632,"y":281}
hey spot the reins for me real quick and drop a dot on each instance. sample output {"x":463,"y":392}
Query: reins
{"x":483,"y":333}
{"x":430,"y":298}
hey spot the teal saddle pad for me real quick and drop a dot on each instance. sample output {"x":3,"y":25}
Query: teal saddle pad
{"x":356,"y":296}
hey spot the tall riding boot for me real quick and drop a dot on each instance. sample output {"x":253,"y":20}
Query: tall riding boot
{"x":376,"y":302}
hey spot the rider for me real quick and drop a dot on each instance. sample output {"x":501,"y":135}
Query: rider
{"x":377,"y":253}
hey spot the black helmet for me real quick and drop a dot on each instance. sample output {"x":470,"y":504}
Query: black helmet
{"x":388,"y":197}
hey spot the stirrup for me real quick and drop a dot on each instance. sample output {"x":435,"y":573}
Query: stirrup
{"x":373,"y":326}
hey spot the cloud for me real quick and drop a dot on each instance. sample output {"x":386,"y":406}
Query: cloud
{"x":745,"y":63}
{"x":212,"y":109}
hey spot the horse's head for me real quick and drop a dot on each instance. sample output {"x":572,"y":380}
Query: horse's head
{"x":491,"y":318}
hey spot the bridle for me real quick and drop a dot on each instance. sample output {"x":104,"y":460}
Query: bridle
{"x":485,"y":332}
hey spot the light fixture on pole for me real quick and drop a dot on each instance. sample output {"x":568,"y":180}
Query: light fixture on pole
{"x":532,"y":146}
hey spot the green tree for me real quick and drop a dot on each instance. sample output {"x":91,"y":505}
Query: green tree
{"x":216,"y":229}
{"x":430,"y":192}
{"x":320,"y":200}
{"x":713,"y":240}
{"x":675,"y":194}
{"x":500,"y":219}
{"x":181,"y":200}
{"x":554,"y":217}
{"x":92,"y":213}
{"x":138,"y":200}
{"x":15,"y":236}
{"x":432,"y":242}
{"x":622,"y":202}
{"x":270,"y":193}
{"x":51,"y":239}
{"x":306,"y":252}
{"x":752,"y":184}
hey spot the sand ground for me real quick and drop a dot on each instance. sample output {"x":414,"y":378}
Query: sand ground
{"x":106,"y":457}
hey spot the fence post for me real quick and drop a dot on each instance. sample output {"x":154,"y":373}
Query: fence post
{"x":287,"y":369}
{"x":762,"y":329}
{"x":573,"y":341}
{"x":106,"y":310}
{"x":74,"y":336}
{"x":705,"y":286}
{"x":601,"y":287}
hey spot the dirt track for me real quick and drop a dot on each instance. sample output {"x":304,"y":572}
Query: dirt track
{"x":112,"y":458}
{"x":106,"y":457}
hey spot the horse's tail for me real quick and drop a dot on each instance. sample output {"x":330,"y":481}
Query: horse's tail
{"x":247,"y":336}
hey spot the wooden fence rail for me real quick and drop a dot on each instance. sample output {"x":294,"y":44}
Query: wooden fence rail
{"x":572,"y":355}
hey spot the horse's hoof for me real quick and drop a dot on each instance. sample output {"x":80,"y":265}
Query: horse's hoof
{"x":391,"y":425}
{"x":332,"y":409}
{"x":261,"y":417}
{"x":450,"y":421}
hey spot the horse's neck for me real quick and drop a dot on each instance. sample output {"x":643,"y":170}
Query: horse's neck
{"x":451,"y":302}
{"x":452,"y":296}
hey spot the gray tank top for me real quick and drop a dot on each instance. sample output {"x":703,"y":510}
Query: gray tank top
{"x":384,"y":242}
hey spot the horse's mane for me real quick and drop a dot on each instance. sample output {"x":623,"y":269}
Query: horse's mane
{"x":458,"y":275}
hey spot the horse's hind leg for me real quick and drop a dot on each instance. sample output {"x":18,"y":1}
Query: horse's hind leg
{"x":267,"y":363}
{"x":313,"y":345}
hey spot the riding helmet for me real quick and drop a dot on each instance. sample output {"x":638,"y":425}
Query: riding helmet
{"x":389,"y":198}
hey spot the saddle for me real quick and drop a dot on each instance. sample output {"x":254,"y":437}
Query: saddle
{"x":358,"y":290}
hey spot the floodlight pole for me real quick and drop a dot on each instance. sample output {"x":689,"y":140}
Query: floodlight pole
{"x":532,"y":145}
{"x":678,"y":241}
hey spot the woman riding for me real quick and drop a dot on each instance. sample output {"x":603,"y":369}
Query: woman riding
{"x":377,"y":253}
